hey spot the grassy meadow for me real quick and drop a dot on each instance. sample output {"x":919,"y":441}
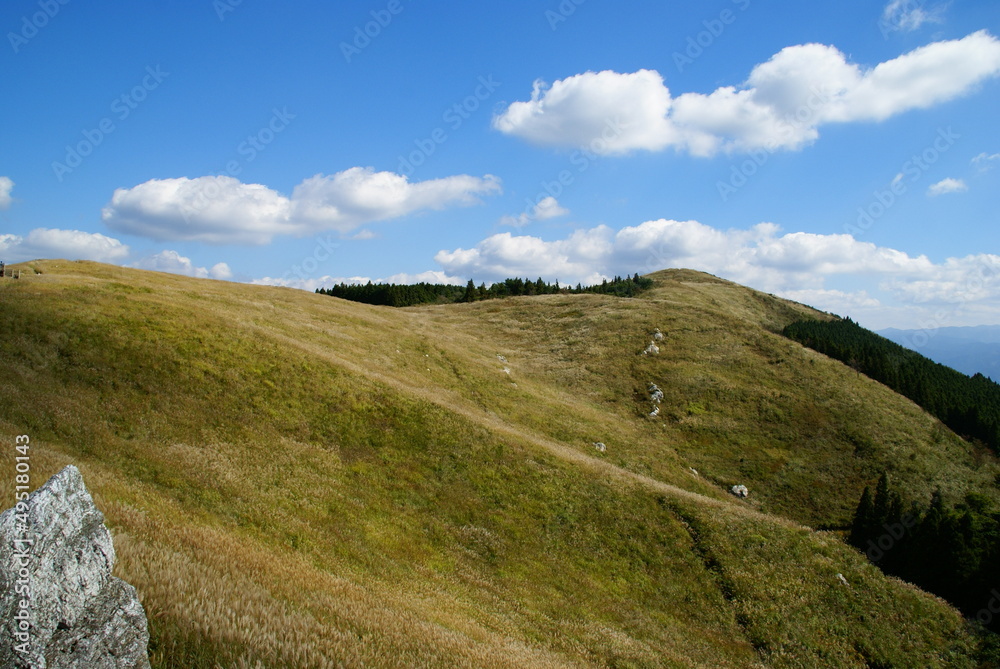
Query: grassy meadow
{"x":293,"y":480}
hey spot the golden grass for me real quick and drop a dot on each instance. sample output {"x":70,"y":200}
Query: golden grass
{"x":296,"y":481}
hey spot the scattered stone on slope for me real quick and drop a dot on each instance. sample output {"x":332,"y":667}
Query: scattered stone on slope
{"x":652,"y":349}
{"x":599,"y":445}
{"x":60,"y":607}
{"x":655,"y":394}
{"x":657,"y":335}
{"x":655,"y":412}
{"x":843,"y":581}
{"x":740,"y":491}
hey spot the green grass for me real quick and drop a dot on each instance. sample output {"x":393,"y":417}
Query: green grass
{"x":303,"y":482}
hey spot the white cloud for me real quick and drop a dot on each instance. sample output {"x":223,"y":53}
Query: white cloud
{"x":6,"y":186}
{"x":546,"y":209}
{"x":880,"y":286}
{"x":948,"y":185}
{"x":833,"y":301}
{"x":616,"y":113}
{"x":985,"y":162}
{"x":956,"y":281}
{"x":223,"y":210}
{"x":357,"y":196}
{"x":909,"y":15}
{"x":216,"y":210}
{"x":580,"y":257}
{"x":798,"y":265}
{"x":549,"y":208}
{"x":68,"y":244}
{"x":175,"y":263}
{"x":221,"y":271}
{"x":780,"y":106}
{"x":311,"y":284}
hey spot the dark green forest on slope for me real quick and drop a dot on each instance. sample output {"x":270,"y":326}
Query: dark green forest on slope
{"x":969,"y":405}
{"x":406,"y":295}
{"x":952,"y":551}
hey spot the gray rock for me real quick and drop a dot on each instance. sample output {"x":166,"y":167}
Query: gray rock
{"x":60,"y":607}
{"x":740,"y":491}
{"x":655,"y":394}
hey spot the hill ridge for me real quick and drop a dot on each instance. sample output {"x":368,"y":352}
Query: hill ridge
{"x":392,"y":449}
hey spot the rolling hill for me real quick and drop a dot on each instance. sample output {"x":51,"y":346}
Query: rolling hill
{"x":293,"y":480}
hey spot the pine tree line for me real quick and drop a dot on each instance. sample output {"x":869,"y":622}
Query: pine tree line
{"x":395,"y":295}
{"x":953,"y":552}
{"x":405,"y":295}
{"x":970,"y":406}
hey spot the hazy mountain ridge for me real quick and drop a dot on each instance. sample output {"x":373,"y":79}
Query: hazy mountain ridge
{"x":381,"y":488}
{"x":970,"y":350}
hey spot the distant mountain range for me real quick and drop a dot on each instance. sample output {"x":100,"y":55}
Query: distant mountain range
{"x":967,"y":349}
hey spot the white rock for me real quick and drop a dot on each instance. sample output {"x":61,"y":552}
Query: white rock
{"x":79,"y":614}
{"x":600,"y":446}
{"x":740,"y":491}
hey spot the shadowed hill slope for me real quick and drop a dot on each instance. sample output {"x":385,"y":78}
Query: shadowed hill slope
{"x":306,"y":482}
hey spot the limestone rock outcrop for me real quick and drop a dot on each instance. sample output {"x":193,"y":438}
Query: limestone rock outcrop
{"x":60,"y":607}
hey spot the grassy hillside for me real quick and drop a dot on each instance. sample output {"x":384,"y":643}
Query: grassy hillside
{"x":298,"y":481}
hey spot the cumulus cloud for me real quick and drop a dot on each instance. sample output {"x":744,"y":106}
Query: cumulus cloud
{"x":833,"y":272}
{"x":616,"y":113}
{"x":781,"y":105}
{"x":946,"y":186}
{"x":546,"y":209}
{"x":883,"y":286}
{"x":311,"y":284}
{"x":351,"y":198}
{"x":175,"y":263}
{"x":798,"y":264}
{"x":68,"y":244}
{"x":216,"y":210}
{"x":909,"y":15}
{"x":223,"y":210}
{"x":834,"y":301}
{"x":580,"y":257}
{"x":974,"y":278}
{"x":6,"y":186}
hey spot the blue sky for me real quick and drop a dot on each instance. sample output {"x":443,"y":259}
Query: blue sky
{"x":843,"y":154}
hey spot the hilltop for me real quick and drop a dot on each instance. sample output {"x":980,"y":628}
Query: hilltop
{"x":301,"y":480}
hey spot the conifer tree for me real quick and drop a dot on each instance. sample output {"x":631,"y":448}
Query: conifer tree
{"x":863,"y":520}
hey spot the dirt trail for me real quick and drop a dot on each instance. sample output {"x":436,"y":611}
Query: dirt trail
{"x":453,"y":402}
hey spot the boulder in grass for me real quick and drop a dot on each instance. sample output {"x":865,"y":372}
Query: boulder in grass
{"x":60,"y":607}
